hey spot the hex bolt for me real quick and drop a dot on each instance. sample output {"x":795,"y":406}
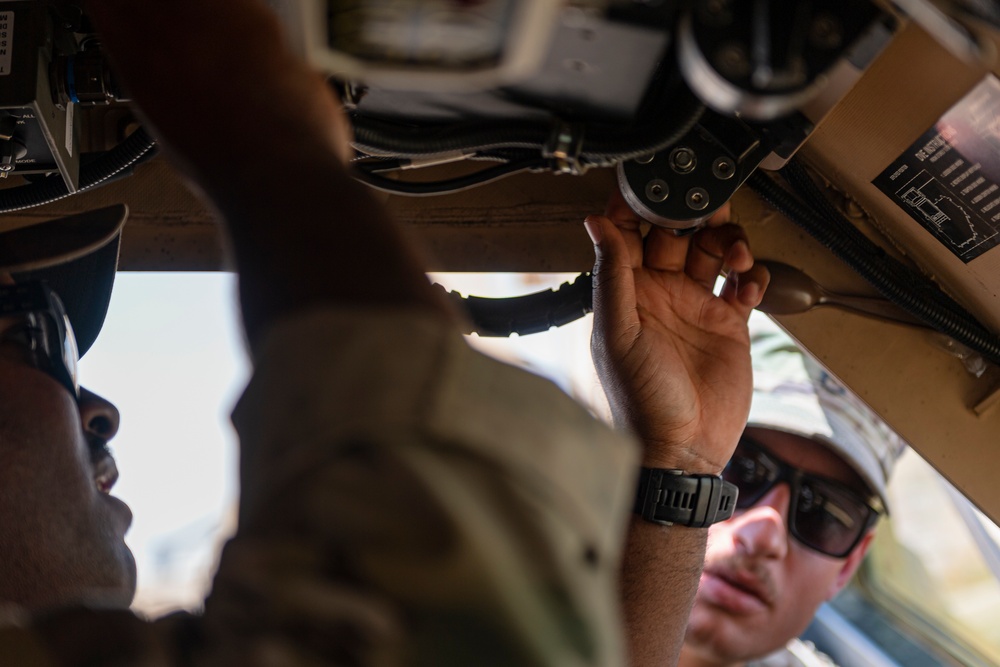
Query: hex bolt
{"x":657,"y":190}
{"x":683,"y":160}
{"x":697,"y":199}
{"x":723,"y":168}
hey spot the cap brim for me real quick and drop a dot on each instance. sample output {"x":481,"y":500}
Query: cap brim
{"x":83,"y":282}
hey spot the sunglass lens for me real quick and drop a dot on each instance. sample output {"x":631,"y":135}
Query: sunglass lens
{"x":752,"y":472}
{"x":70,"y":355}
{"x":827,"y":518}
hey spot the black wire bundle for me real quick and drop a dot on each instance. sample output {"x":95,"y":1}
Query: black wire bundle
{"x":116,"y":163}
{"x":601,"y":144}
{"x":370,"y":176}
{"x":520,"y":145}
{"x":901,"y":285}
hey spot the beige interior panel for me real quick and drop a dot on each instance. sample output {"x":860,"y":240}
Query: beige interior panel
{"x":528,"y":222}
{"x":908,"y":88}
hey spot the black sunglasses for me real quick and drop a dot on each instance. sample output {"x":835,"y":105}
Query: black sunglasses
{"x":824,"y":515}
{"x":40,"y":326}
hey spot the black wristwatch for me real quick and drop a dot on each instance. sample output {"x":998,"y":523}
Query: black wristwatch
{"x":671,"y":497}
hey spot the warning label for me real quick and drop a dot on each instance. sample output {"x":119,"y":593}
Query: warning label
{"x":949,"y":179}
{"x":6,"y":41}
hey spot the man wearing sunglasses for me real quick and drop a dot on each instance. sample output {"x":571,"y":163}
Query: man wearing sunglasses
{"x":61,"y":532}
{"x":811,"y":469}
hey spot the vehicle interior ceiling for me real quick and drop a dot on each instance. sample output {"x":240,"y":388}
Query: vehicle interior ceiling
{"x":859,"y":123}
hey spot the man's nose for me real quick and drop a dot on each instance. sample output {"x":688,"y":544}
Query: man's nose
{"x":762,"y":529}
{"x":98,"y":416}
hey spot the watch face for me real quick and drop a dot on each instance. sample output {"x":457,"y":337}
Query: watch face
{"x":446,"y":34}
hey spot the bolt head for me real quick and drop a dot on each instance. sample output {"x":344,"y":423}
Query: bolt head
{"x":657,"y":190}
{"x":697,"y":199}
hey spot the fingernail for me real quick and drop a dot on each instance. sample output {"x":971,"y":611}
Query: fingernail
{"x":593,"y":230}
{"x":751,"y":294}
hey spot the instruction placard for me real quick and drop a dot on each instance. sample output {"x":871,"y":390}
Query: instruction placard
{"x":6,"y":42}
{"x":949,"y":179}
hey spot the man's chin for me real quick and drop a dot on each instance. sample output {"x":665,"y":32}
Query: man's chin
{"x":720,"y":637}
{"x":118,"y":591}
{"x":131,"y":576}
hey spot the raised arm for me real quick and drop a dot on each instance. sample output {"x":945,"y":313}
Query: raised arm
{"x":404,"y":500}
{"x":265,"y":139}
{"x":674,"y":361}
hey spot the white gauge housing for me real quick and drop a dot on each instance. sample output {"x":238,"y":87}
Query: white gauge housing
{"x":420,"y":44}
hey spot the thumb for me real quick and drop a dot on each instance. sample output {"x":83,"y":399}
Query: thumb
{"x":614,"y":281}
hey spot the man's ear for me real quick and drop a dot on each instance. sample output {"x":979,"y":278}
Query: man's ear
{"x":851,"y":564}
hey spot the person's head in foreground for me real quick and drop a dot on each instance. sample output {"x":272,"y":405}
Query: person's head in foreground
{"x":61,"y":533}
{"x":811,"y":468}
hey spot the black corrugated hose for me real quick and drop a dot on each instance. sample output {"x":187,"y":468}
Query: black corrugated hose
{"x":803,"y":184}
{"x":528,"y":314}
{"x":883,"y":272}
{"x":138,"y":147}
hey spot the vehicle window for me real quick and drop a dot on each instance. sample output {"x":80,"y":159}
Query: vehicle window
{"x":934,"y":565}
{"x":171,"y":357}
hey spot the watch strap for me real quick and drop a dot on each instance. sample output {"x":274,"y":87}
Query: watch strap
{"x":672,"y":497}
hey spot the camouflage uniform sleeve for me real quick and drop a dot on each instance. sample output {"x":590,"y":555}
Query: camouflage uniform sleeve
{"x":407,"y":501}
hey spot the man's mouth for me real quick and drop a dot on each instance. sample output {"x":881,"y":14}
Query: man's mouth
{"x":738,"y":590}
{"x":747,"y":583}
{"x":104,"y":466}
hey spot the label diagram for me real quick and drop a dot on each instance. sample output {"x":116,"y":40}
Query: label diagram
{"x":948,"y":180}
{"x":930,"y":201}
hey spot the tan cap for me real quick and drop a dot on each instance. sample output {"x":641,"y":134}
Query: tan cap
{"x":793,"y":393}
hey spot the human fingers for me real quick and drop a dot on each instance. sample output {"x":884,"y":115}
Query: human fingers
{"x":665,"y":250}
{"x":714,"y":249}
{"x":614,"y":281}
{"x":744,"y":291}
{"x":720,"y":217}
{"x":629,"y":223}
{"x":618,"y":209}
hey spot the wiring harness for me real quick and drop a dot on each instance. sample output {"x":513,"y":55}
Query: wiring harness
{"x":117,"y":163}
{"x":912,"y":291}
{"x":563,"y":147}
